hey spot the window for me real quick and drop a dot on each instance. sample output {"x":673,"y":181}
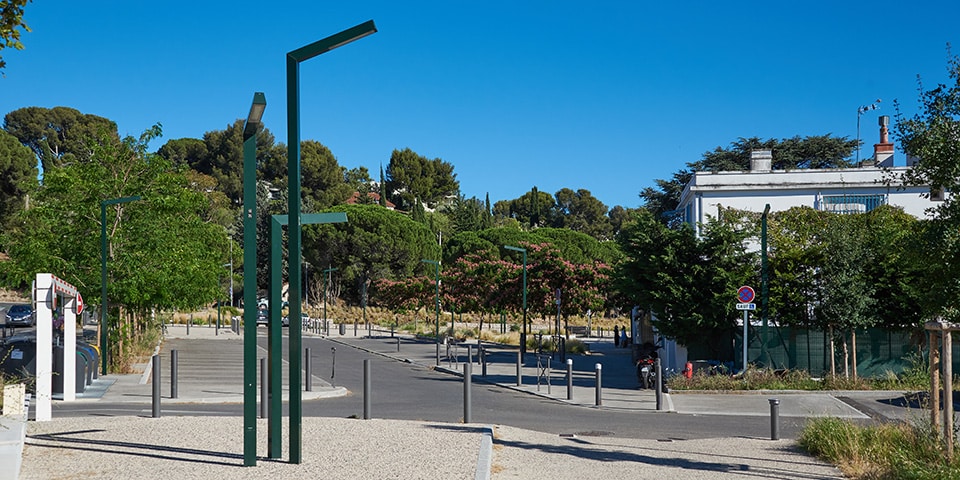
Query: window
{"x":852,"y":203}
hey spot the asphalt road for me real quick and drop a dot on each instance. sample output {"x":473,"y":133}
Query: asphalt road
{"x":406,"y":391}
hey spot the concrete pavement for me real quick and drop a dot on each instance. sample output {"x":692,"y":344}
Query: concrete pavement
{"x":620,"y":389}
{"x":206,"y":378}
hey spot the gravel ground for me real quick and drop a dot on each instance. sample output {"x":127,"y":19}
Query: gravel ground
{"x":525,"y":454}
{"x":212,"y":448}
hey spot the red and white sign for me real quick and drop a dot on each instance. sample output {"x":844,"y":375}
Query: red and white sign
{"x":745,"y":294}
{"x":79,"y":306}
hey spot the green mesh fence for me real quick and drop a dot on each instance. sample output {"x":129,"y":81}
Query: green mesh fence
{"x":878,"y":351}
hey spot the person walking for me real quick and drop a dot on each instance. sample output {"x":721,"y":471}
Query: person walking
{"x":623,"y":336}
{"x":616,"y":336}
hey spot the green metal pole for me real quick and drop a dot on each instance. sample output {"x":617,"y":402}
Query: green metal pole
{"x":764,"y":287}
{"x":250,"y":279}
{"x":104,"y":330}
{"x":274,"y":345}
{"x":293,"y":184}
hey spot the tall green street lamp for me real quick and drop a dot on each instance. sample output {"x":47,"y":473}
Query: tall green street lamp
{"x":104,"y":327}
{"x":523,"y":331}
{"x":294,"y":59}
{"x":326,"y":281}
{"x":437,"y":279}
{"x":250,"y":278}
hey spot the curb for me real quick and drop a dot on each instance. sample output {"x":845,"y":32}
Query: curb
{"x":485,"y":457}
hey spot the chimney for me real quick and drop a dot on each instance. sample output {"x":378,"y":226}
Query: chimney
{"x":883,"y":151}
{"x":760,"y":161}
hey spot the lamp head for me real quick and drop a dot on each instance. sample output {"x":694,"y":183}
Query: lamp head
{"x":256,"y":114}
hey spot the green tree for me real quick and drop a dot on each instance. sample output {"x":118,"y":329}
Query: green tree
{"x":162,"y":254}
{"x":412,"y":177}
{"x":60,"y":135}
{"x":322,"y":179}
{"x":686,"y":281}
{"x":466,"y":214}
{"x":186,"y":152}
{"x":11,"y":24}
{"x":374,"y":243}
{"x":18,"y":176}
{"x":533,"y":209}
{"x":930,"y":136}
{"x":580,"y":211}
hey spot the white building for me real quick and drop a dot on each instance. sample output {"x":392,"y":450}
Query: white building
{"x":842,"y":190}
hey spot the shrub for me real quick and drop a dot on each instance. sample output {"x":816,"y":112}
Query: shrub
{"x":897,"y":450}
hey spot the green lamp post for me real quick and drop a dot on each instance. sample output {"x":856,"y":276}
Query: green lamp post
{"x":250,"y":278}
{"x":437,"y":279}
{"x":294,"y":58}
{"x":523,"y":331}
{"x":104,"y":327}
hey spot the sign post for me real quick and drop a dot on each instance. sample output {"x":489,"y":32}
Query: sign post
{"x":745,"y":296}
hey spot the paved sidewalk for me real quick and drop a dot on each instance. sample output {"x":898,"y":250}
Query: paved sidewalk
{"x":210,"y":369}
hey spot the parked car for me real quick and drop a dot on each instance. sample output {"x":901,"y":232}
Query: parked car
{"x":21,"y":315}
{"x":263,"y":316}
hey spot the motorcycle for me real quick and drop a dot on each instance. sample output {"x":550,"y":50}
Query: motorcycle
{"x":646,"y":373}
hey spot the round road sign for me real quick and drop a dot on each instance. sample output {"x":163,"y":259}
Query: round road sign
{"x":745,"y":294}
{"x":79,"y":304}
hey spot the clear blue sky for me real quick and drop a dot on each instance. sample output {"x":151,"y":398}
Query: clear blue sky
{"x":606,"y":96}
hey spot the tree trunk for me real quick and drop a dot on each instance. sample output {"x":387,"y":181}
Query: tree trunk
{"x":853,"y":353}
{"x":846,"y":359}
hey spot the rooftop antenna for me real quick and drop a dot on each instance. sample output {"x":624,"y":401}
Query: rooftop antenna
{"x":860,"y":111}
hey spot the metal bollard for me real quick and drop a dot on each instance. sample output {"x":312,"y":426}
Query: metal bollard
{"x":483,"y":362}
{"x":366,"y":389}
{"x":519,"y":368}
{"x":188,"y":324}
{"x":156,"y":386}
{"x":469,"y":355}
{"x":354,"y":328}
{"x":569,"y":379}
{"x":467,"y":402}
{"x":391,"y":330}
{"x":174,"y":361}
{"x":264,"y":390}
{"x":774,"y":419}
{"x":659,"y":383}
{"x":599,"y":401}
{"x":333,"y":366}
{"x":306,"y":364}
{"x":398,"y":344}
